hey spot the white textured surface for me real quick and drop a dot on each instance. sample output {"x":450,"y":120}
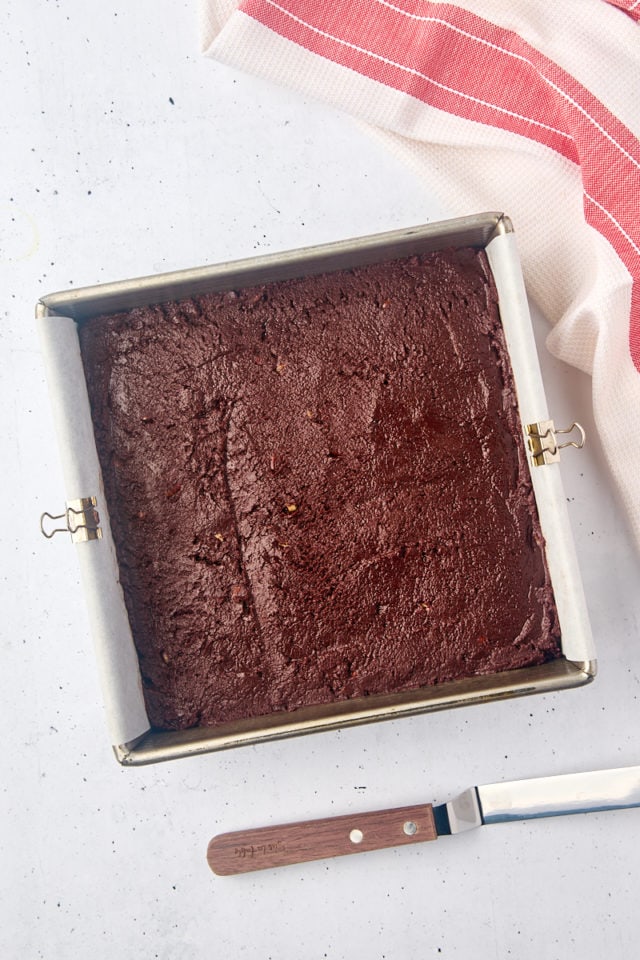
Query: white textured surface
{"x":103,"y":178}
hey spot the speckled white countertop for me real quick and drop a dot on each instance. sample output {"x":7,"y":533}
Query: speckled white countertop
{"x":125,"y":153}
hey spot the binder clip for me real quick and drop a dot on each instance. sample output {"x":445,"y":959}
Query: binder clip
{"x":543,"y":442}
{"x":81,"y":518}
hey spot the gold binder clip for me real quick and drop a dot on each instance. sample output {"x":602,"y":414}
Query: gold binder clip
{"x":543,"y":442}
{"x":81,"y":518}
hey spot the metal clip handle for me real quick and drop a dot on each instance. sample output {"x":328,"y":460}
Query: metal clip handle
{"x":572,"y":443}
{"x":81,"y":518}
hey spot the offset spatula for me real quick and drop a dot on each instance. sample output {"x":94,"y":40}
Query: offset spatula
{"x":247,"y":850}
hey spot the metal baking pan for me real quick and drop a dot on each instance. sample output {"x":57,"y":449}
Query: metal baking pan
{"x":58,"y":315}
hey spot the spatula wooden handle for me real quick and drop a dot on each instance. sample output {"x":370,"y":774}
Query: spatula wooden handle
{"x":247,"y":850}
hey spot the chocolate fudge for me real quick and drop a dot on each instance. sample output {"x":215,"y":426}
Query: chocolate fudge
{"x":318,"y":490}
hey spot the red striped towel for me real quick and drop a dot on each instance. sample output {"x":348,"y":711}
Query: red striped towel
{"x":520,"y":105}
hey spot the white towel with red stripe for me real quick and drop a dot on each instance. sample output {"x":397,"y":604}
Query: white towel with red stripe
{"x":524,"y":106}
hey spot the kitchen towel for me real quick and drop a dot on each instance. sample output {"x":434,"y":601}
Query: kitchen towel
{"x":524,"y":106}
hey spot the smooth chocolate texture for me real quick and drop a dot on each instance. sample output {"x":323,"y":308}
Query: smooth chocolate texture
{"x":318,"y":490}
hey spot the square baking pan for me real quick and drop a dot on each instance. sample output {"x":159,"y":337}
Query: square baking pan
{"x":86,"y":514}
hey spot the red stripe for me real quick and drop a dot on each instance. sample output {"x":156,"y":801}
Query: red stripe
{"x":632,"y":7}
{"x":459,"y":63}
